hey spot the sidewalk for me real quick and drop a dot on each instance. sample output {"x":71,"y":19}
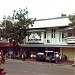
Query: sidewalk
{"x":66,"y":64}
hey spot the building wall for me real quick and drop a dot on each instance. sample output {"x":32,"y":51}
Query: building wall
{"x":49,"y":40}
{"x":69,"y":52}
{"x":49,"y":37}
{"x":58,"y":40}
{"x":55,"y":41}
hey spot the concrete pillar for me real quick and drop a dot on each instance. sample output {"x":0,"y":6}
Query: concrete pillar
{"x":61,"y":51}
{"x":74,"y":59}
{"x":18,"y":53}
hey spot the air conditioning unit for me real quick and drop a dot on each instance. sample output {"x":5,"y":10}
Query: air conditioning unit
{"x":48,"y":41}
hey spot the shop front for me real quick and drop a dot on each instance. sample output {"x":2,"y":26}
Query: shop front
{"x":69,"y":52}
{"x":5,"y":48}
{"x":36,"y":48}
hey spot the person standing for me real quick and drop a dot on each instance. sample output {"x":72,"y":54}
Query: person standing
{"x":56,"y":58}
{"x":0,"y":60}
{"x":50,"y":58}
{"x":22,"y":56}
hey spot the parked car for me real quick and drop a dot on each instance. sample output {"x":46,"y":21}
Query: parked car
{"x":40,"y":56}
{"x":48,"y":53}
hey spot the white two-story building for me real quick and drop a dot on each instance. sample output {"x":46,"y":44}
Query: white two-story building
{"x":51,"y":34}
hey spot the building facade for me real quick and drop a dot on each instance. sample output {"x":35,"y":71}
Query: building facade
{"x":53,"y":34}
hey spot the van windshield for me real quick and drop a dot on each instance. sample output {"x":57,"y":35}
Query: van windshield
{"x":48,"y":53}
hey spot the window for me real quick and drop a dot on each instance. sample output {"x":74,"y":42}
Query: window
{"x":44,"y":34}
{"x":53,"y":33}
{"x":62,"y":35}
{"x":59,"y":35}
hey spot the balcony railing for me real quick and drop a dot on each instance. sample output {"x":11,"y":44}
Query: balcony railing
{"x":70,"y":39}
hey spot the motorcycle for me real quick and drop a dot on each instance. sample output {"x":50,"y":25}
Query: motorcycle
{"x":2,"y":72}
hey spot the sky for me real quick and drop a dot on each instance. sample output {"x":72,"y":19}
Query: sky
{"x":38,"y":9}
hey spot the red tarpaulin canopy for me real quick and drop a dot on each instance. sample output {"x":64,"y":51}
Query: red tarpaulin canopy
{"x":6,"y":45}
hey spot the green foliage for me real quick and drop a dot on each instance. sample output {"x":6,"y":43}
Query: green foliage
{"x":21,"y":24}
{"x":8,"y":28}
{"x":17,"y":29}
{"x":63,"y":15}
{"x":72,"y":19}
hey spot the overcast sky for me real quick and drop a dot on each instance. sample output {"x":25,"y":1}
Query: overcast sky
{"x":38,"y":8}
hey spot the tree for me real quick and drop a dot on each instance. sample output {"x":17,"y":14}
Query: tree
{"x":21,"y":24}
{"x":8,"y":28}
{"x":72,"y":19}
{"x":63,"y":15}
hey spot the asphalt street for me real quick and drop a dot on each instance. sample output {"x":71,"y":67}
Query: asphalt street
{"x":19,"y":67}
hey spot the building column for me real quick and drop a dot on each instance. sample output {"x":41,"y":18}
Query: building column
{"x":74,"y":59}
{"x":61,"y":51}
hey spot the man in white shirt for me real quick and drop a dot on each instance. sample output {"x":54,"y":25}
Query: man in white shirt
{"x":57,"y":58}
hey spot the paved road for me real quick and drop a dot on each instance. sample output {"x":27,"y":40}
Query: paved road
{"x":18,"y":67}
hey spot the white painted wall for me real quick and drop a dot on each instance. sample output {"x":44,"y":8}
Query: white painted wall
{"x":55,"y":41}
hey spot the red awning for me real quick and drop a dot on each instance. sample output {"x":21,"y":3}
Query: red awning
{"x":5,"y":44}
